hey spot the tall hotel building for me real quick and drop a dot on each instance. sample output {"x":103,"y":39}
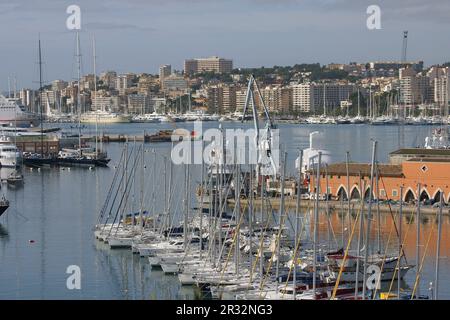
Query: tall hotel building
{"x":212,"y":64}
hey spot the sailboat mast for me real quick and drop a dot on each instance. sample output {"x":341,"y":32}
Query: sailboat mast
{"x":316,"y":222}
{"x":40,"y":97}
{"x":95,"y":95}
{"x":296,"y":224}
{"x":79,"y":90}
{"x":438,"y":247}
{"x":369,"y":217}
{"x":400,"y":242}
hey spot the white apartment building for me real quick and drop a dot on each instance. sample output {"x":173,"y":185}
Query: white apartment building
{"x":27,"y":96}
{"x":106,"y":103}
{"x":302,"y":97}
{"x":439,"y":79}
{"x":122,"y":82}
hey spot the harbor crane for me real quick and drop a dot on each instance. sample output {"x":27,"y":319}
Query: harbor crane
{"x":264,"y":143}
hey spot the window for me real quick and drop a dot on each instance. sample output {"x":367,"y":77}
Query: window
{"x":424,"y":168}
{"x":394,"y":193}
{"x":383,"y":193}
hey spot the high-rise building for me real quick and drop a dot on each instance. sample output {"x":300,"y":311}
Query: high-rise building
{"x":106,"y":104}
{"x":108,"y":79}
{"x":28,"y":98}
{"x":123,"y":82}
{"x":414,"y":88}
{"x":241,"y":95}
{"x":174,"y":83}
{"x":329,"y":95}
{"x":215,"y":99}
{"x":211,"y":64}
{"x":164,"y":72}
{"x":229,"y":98}
{"x":302,"y":97}
{"x":138,"y":104}
{"x":409,"y":89}
{"x":439,"y":79}
{"x":286,"y":100}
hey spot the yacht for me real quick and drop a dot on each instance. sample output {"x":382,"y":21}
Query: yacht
{"x":10,"y":155}
{"x":146,"y":118}
{"x":12,"y":112}
{"x":357,"y":120}
{"x":101,"y":116}
{"x":439,"y":139}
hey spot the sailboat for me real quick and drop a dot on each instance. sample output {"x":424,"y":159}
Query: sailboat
{"x":82,"y":156}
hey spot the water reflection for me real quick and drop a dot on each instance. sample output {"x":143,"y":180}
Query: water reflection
{"x":58,"y":207}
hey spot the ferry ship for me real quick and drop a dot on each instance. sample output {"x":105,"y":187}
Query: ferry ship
{"x":13,"y":113}
{"x":101,"y":116}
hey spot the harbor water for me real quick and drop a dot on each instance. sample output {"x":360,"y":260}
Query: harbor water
{"x":49,"y":225}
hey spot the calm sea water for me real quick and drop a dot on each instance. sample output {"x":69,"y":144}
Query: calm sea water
{"x":49,"y":224}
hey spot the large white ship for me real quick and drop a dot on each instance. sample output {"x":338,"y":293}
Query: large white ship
{"x":13,"y":113}
{"x":101,"y":116}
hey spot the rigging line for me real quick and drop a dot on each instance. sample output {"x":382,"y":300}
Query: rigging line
{"x":295,"y":254}
{"x":278,"y":240}
{"x":384,"y":260}
{"x":121,"y":201}
{"x":228,"y":230}
{"x":390,"y":208}
{"x":253,"y":268}
{"x":108,"y":197}
{"x":402,"y":245}
{"x":127,"y":192}
{"x":229,"y":252}
{"x":117,"y":193}
{"x":294,"y":264}
{"x":341,"y":269}
{"x":416,"y":283}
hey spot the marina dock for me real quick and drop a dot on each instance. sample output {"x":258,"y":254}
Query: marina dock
{"x":338,"y":206}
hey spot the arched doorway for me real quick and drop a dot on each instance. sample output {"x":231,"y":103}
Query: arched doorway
{"x":424,"y":196}
{"x":437,"y":197}
{"x":367,"y":194}
{"x":342,"y":194}
{"x":409,"y":196}
{"x":355,"y":194}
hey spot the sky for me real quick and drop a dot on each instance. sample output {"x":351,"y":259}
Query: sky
{"x":139,"y":35}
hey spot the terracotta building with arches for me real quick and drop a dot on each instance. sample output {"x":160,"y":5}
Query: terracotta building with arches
{"x":433,"y":175}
